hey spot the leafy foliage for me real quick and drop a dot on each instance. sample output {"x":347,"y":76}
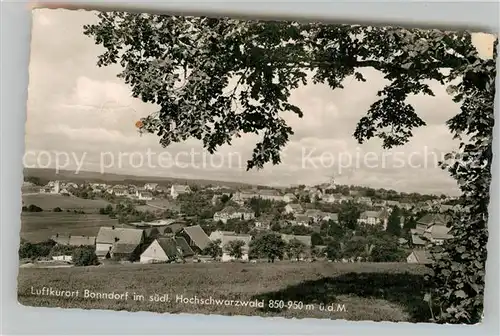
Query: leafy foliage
{"x":394,"y":222}
{"x":269,"y":245}
{"x":213,"y":249}
{"x":295,"y":248}
{"x":216,"y":79}
{"x":84,"y":256}
{"x":349,"y":215}
{"x":235,"y":248}
{"x":35,"y":250}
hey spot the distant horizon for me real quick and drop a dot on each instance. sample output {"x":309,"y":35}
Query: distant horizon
{"x":217,"y":182}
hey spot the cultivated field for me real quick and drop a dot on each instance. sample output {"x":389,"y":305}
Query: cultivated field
{"x":39,"y":226}
{"x":368,"y":291}
{"x":51,"y":201}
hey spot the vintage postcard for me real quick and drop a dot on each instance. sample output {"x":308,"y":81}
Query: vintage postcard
{"x":266,"y":168}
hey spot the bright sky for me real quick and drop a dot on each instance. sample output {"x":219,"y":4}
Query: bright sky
{"x":83,"y":110}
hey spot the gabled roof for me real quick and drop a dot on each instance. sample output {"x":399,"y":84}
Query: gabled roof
{"x":197,"y":235}
{"x":146,"y":194}
{"x":109,"y":235}
{"x":369,"y":214}
{"x":430,"y":219}
{"x":422,"y":256}
{"x":184,"y":246}
{"x":169,"y":246}
{"x":73,"y":240}
{"x":416,"y":237}
{"x":306,"y":240}
{"x":438,"y":232}
{"x":313,"y":212}
{"x":82,"y":240}
{"x":123,"y":248}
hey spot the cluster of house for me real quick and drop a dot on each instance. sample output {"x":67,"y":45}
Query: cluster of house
{"x":188,"y":242}
{"x":431,"y":228}
{"x":307,"y":217}
{"x":131,"y":191}
{"x":146,"y":193}
{"x":58,"y":187}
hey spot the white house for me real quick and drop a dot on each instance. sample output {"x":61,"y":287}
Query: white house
{"x":178,"y":189}
{"x":293,"y":208}
{"x":231,"y":212}
{"x":144,"y":195}
{"x":369,"y":217}
{"x":166,"y":249}
{"x":303,"y":220}
{"x":120,"y":190}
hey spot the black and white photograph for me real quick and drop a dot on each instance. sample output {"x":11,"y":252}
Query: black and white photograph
{"x":276,"y":168}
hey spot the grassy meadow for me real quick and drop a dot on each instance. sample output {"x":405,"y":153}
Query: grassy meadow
{"x":368,"y":291}
{"x":40,"y":226}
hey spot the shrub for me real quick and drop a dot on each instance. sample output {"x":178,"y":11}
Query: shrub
{"x":35,"y":250}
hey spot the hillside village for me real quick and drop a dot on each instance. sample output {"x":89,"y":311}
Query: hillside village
{"x":159,"y":223}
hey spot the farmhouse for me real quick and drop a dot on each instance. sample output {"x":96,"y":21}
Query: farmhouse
{"x":430,"y":228}
{"x":178,"y":189}
{"x":165,"y":250}
{"x":432,"y":219}
{"x":144,"y":195}
{"x":294,"y":208}
{"x":120,"y":243}
{"x":369,"y":217}
{"x":232,"y":212}
{"x":195,"y":237}
{"x":419,"y":257}
{"x":226,"y":237}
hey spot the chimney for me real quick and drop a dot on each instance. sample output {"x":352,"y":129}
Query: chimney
{"x":57,"y":234}
{"x":113,"y":227}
